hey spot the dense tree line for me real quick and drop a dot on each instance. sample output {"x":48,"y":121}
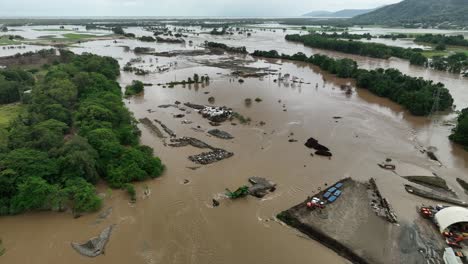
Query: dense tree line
{"x":216,"y":45}
{"x":74,"y":132}
{"x":13,"y":84}
{"x":147,"y":39}
{"x":375,"y":50}
{"x":215,"y":31}
{"x":347,"y":35}
{"x":458,"y":40}
{"x":395,"y":36}
{"x":456,"y":63}
{"x":415,"y":94}
{"x":460,"y":132}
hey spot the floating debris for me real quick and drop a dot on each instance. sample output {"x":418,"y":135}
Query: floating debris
{"x":387,"y":166}
{"x":242,"y":191}
{"x":321,"y":150}
{"x":216,"y":114}
{"x":220,"y":134}
{"x":179,"y":116}
{"x":261,"y":186}
{"x":95,"y":246}
{"x":195,"y":106}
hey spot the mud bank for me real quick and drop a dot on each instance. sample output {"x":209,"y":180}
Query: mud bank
{"x":434,"y":195}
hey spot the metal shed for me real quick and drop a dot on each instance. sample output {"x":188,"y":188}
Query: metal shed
{"x":451,"y":215}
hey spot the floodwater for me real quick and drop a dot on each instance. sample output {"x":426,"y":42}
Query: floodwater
{"x":176,"y":223}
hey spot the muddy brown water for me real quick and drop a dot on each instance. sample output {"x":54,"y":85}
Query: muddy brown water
{"x":176,"y":222}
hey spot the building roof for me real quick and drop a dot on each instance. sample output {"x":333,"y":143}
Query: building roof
{"x":451,"y":215}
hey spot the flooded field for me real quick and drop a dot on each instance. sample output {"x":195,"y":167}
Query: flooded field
{"x":177,"y":223}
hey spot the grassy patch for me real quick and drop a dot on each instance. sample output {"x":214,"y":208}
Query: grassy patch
{"x":70,"y":37}
{"x":52,"y":29}
{"x":450,"y":50}
{"x":8,"y":112}
{"x":430,"y":181}
{"x":75,"y":36}
{"x":6,"y":41}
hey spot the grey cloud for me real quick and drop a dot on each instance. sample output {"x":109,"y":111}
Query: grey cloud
{"x":178,"y":7}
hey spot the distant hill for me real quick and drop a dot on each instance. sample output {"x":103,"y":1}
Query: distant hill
{"x":320,"y":13}
{"x":345,"y":13}
{"x":418,"y":11}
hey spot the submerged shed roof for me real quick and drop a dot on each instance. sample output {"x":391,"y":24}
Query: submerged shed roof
{"x":451,"y":215}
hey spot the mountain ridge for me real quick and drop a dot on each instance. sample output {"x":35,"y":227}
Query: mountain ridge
{"x":345,"y":13}
{"x":418,"y":11}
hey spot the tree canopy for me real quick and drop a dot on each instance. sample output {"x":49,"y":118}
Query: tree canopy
{"x":375,"y":50}
{"x":75,"y":131}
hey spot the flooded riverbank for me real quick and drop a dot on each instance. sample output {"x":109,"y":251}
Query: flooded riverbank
{"x":176,"y":222}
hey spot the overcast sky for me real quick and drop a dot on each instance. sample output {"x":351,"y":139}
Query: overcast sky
{"x":178,"y":7}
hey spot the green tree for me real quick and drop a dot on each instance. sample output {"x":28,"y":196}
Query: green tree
{"x":82,"y":195}
{"x":29,"y":162}
{"x":135,"y":88}
{"x":77,"y":159}
{"x":33,"y":194}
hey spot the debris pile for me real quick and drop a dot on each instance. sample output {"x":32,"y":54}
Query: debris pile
{"x":216,"y":114}
{"x":379,"y":204}
{"x":211,"y":157}
{"x":195,"y":106}
{"x":321,"y":150}
{"x":220,"y":134}
{"x":242,"y":191}
{"x":95,"y":246}
{"x":261,"y":186}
